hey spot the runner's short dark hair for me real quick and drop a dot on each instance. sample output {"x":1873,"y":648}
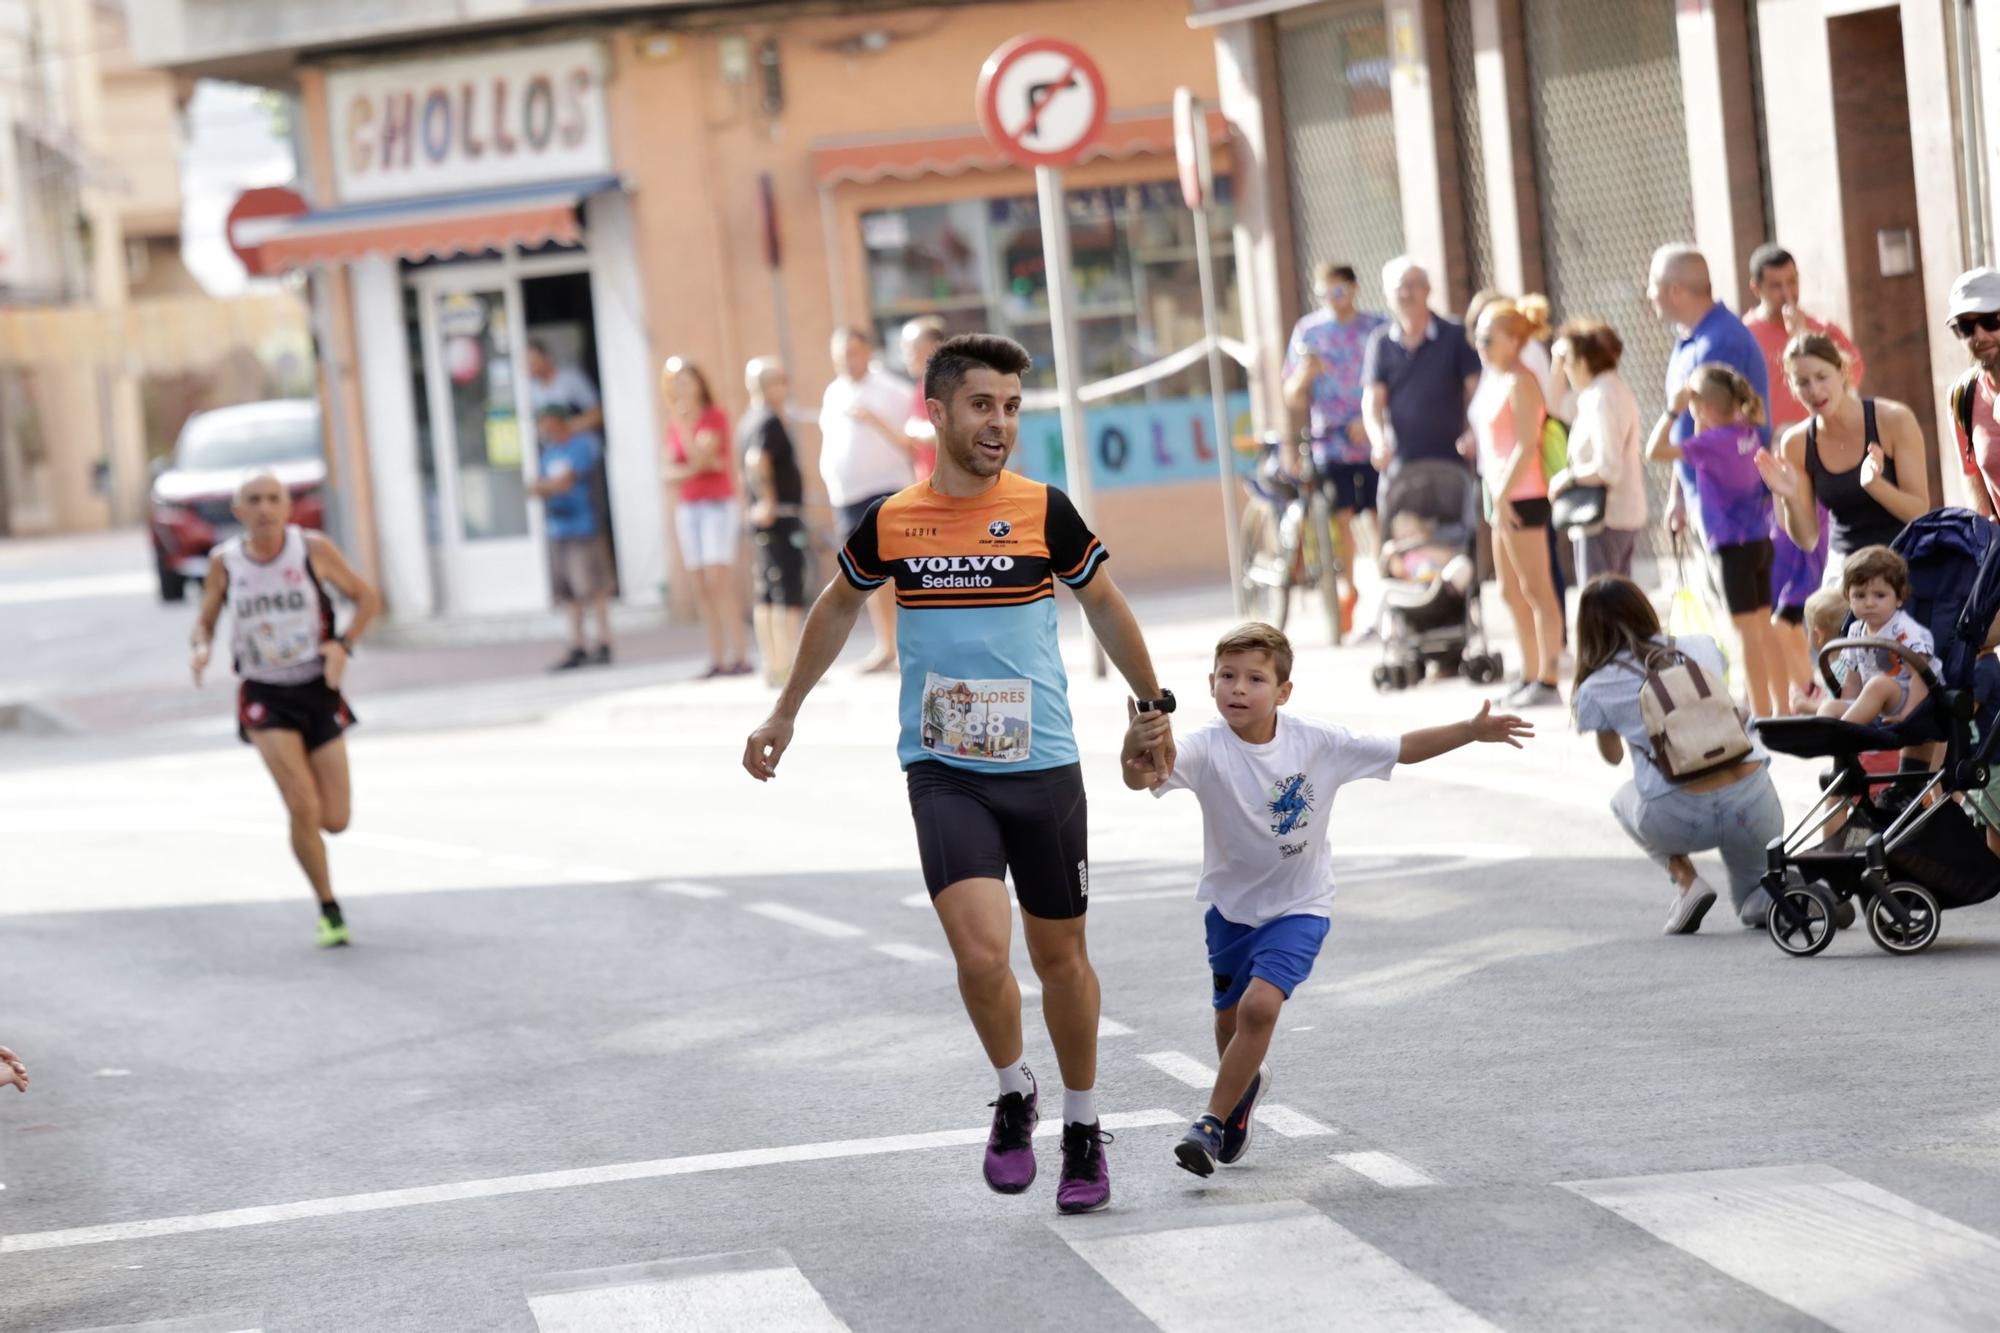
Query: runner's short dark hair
{"x":1768,"y":256}
{"x":1332,"y":272}
{"x":955,"y":356}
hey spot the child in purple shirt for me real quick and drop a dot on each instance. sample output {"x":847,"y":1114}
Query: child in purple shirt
{"x":1736,"y":513}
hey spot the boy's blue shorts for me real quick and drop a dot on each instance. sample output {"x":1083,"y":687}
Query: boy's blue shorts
{"x":1281,"y":951}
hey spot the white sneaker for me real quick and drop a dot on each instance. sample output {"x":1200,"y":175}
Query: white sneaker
{"x":1690,"y":905}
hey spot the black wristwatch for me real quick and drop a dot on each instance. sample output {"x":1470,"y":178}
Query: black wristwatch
{"x":345,"y":643}
{"x":1163,"y":704}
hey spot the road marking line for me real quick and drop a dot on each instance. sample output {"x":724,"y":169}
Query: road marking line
{"x":804,"y":920}
{"x":1030,"y":991}
{"x":415,"y":1196}
{"x":604,"y":874}
{"x":222,"y":1323}
{"x":721,"y":1293}
{"x":1184,"y":1068}
{"x":1111,"y":1027}
{"x":1433,"y":971}
{"x":915,"y":900}
{"x":1312,"y":1273}
{"x":1849,"y":1254}
{"x":683,"y":888}
{"x":910,"y":953}
{"x":1385,"y":1169}
{"x":1292,"y":1124}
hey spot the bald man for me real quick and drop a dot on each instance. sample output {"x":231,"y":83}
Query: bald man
{"x":1679,"y":288}
{"x":273,"y":578}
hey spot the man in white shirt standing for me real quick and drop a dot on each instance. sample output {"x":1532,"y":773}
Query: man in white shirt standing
{"x":863,"y":457}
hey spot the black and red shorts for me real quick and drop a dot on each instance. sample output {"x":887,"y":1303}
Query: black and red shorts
{"x":315,"y":710}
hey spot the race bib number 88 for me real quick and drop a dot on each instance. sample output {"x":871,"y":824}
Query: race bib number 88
{"x":989,"y":720}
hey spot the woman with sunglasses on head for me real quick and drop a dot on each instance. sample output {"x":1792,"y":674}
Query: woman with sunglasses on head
{"x":1863,"y":458}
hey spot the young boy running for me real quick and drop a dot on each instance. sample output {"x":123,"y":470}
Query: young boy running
{"x":1266,"y":792}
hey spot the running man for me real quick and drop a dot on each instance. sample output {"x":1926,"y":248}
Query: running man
{"x":987,"y":751}
{"x":273,"y":577}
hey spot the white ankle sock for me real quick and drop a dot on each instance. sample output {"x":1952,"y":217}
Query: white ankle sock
{"x":1079,"y":1106}
{"x":1015,"y":1078}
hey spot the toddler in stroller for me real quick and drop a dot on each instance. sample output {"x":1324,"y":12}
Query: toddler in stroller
{"x":1430,"y":578}
{"x":1903,"y":843}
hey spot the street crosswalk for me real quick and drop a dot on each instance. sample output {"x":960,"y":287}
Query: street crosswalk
{"x":1850,"y":1254}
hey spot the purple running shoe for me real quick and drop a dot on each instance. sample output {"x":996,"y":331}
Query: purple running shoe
{"x":1010,"y":1148}
{"x":1086,"y":1176}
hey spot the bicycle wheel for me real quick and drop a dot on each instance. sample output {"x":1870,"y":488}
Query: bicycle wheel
{"x":1267,"y":580}
{"x":1322,"y":566}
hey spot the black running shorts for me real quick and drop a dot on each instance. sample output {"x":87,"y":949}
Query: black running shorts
{"x":983,"y":825}
{"x":781,"y":563}
{"x":1351,"y":488}
{"x":314,"y":710}
{"x":1744,"y":571}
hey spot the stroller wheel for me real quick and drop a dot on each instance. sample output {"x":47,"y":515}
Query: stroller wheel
{"x":1802,"y":919}
{"x":1482,"y":668}
{"x":1917,"y":932}
{"x":1383,"y":680}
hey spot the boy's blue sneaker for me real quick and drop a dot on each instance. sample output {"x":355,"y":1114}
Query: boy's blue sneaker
{"x":1200,"y":1146}
{"x":1236,"y":1129}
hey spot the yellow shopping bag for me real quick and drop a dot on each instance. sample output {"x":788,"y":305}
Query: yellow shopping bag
{"x":1688,"y":611}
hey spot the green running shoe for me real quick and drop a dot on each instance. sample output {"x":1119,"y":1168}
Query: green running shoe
{"x":332,"y":936}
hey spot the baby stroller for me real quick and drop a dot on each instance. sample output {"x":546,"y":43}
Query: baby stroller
{"x":1907,"y":850}
{"x":1430,"y":606}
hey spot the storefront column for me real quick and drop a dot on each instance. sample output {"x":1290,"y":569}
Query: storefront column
{"x":1804,"y":156}
{"x":389,"y":418}
{"x":1247,"y":84}
{"x":1513,"y":204}
{"x":1934,"y":144}
{"x":625,"y":364}
{"x":1427,"y":147}
{"x":1721,"y":119}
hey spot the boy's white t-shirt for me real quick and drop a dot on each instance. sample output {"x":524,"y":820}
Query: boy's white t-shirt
{"x":1265,"y":809}
{"x":1900,"y":628}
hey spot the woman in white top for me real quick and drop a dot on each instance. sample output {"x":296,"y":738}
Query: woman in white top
{"x":1604,"y":445}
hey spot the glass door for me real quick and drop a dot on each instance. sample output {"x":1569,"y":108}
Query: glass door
{"x":482,"y":444}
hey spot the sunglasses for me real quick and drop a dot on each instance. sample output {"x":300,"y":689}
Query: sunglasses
{"x":1987,"y":323}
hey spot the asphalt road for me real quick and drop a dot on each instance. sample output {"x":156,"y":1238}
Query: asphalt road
{"x":628,"y":1042}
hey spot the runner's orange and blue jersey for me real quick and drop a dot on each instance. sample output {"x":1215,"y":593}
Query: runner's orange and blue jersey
{"x":983,"y":680}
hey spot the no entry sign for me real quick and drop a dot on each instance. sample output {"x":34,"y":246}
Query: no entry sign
{"x":1041,"y":101}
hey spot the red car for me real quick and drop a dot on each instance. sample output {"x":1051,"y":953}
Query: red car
{"x":217,"y":452}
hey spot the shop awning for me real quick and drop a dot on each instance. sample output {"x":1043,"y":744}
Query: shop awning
{"x":1220,"y":12}
{"x":434,"y":227}
{"x":953,"y":153}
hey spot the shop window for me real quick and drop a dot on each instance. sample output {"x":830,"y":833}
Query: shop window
{"x":977,"y":264}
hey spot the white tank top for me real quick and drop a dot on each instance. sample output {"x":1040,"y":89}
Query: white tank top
{"x":280,"y":613}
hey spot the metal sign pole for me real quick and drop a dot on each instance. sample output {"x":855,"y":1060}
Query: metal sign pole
{"x":1062,"y":329}
{"x":1225,"y":449}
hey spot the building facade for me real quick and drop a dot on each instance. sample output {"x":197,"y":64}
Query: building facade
{"x":716,"y":182}
{"x":1552,"y":145}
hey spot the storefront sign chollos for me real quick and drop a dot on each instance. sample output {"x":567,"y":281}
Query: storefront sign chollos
{"x":1137,"y":444}
{"x":469,"y":122}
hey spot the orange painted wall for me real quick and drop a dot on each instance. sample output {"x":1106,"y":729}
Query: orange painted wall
{"x":692,"y":147}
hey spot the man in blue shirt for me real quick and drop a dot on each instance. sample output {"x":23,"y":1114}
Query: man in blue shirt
{"x":1420,"y":371}
{"x":579,"y":565}
{"x":1678,"y":286}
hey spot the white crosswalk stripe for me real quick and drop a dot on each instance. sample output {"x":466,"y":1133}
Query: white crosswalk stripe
{"x":1385,"y":1169}
{"x":216,"y":1323}
{"x":1853,"y":1256}
{"x":1312,"y":1274}
{"x":748,"y":1292}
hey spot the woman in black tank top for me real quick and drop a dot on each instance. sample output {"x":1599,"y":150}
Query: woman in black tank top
{"x":1863,"y":458}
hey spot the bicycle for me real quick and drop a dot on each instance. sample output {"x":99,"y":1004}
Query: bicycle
{"x":1288,"y":538}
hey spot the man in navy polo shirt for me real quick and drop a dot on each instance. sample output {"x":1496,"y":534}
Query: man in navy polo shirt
{"x":1678,"y":286}
{"x":1420,"y":371}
